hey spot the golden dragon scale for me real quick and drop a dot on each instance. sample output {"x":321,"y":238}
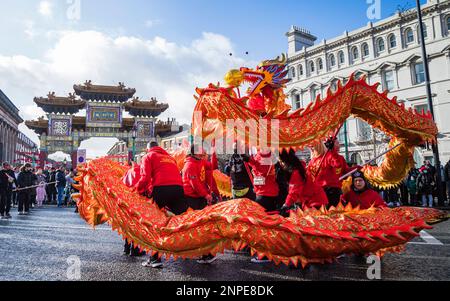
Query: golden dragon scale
{"x":313,"y":236}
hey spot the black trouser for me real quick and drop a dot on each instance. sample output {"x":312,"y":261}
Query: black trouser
{"x":14,"y":197}
{"x":5,"y":201}
{"x":334,"y":195}
{"x":196,"y":203}
{"x":51,"y":194}
{"x":25,"y":199}
{"x":170,"y":197}
{"x":269,"y":203}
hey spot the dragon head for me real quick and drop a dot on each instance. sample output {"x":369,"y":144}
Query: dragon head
{"x":269,"y":74}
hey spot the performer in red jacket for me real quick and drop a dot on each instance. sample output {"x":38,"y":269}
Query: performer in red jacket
{"x":302,"y":190}
{"x":361,"y":195}
{"x":161,"y":180}
{"x":196,"y":183}
{"x":326,"y":167}
{"x":264,"y":179}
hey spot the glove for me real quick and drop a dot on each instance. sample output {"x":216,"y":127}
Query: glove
{"x":284,"y":211}
{"x":330,"y":143}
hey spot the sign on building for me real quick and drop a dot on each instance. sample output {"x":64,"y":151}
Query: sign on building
{"x":81,"y":156}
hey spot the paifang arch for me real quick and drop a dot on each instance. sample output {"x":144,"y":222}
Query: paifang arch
{"x":62,"y":131}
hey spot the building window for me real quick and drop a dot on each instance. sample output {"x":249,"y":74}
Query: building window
{"x":300,"y":70}
{"x":419,"y":73}
{"x":355,"y":53}
{"x":380,"y":45}
{"x":292,"y":72}
{"x":334,"y":86}
{"x":392,"y":41}
{"x":364,"y":131}
{"x":409,"y":34}
{"x":358,"y":75}
{"x":314,"y":93}
{"x":448,"y":23}
{"x":320,"y":64}
{"x":425,"y":31}
{"x":297,"y":102}
{"x":341,"y":58}
{"x":365,"y":50}
{"x":388,"y":80}
{"x":332,"y":60}
{"x":422,"y":108}
{"x":312,"y":67}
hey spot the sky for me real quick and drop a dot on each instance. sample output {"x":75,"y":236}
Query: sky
{"x":164,"y":49}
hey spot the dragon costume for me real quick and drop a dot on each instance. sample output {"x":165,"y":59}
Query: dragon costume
{"x":311,"y":236}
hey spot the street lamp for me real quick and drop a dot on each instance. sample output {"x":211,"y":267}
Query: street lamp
{"x":134,"y":136}
{"x":437,"y":160}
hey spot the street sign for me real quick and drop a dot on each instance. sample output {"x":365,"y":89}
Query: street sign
{"x":81,"y":156}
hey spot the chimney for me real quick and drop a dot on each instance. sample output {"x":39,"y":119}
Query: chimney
{"x":299,"y":38}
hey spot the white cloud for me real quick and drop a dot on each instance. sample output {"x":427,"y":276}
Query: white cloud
{"x":156,"y":68}
{"x":45,"y":8}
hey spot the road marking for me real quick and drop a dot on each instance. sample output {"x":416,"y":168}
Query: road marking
{"x":43,"y":227}
{"x":429,"y":240}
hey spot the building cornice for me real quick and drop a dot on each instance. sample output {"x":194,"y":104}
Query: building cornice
{"x":368,"y":31}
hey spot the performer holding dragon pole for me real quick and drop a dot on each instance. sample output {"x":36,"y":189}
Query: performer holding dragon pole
{"x":302,"y":190}
{"x":196,"y":184}
{"x":161,"y":180}
{"x":326,"y":168}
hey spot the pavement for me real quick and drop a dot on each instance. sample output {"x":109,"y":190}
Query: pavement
{"x":54,"y":244}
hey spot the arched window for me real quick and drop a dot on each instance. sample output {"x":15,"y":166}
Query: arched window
{"x":392,"y":41}
{"x":409,"y":36}
{"x":381,"y":47}
{"x":332,"y":60}
{"x":334,"y":86}
{"x":292,"y":72}
{"x":314,"y":92}
{"x":365,"y":50}
{"x":312,"y":67}
{"x":448,"y":23}
{"x":355,"y":53}
{"x":341,"y":57}
{"x":300,"y":70}
{"x":320,"y":64}
{"x":425,"y":31}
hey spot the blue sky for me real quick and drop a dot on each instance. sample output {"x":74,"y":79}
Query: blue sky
{"x":257,"y":26}
{"x":164,"y":49}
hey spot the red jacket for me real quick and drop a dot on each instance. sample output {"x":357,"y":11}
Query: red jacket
{"x":304,"y":192}
{"x":333,"y":167}
{"x":365,"y":200}
{"x":195,"y":179}
{"x":262,"y":166}
{"x":158,"y":168}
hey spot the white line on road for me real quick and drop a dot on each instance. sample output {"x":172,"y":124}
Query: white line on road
{"x":43,"y":227}
{"x":429,"y":240}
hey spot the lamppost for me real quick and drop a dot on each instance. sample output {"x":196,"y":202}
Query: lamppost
{"x":435,"y":148}
{"x":133,"y":136}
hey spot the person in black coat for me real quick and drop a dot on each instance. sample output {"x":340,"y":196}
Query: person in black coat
{"x":25,"y":179}
{"x":7,"y":179}
{"x":60,"y":185}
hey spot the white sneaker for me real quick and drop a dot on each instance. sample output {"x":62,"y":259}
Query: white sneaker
{"x":152,"y":263}
{"x":259,"y":261}
{"x":208,"y":259}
